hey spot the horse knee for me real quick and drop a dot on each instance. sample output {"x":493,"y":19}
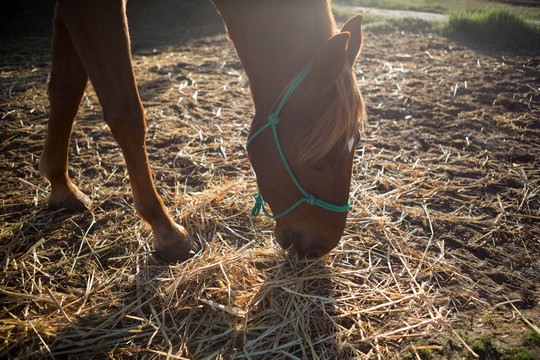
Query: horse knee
{"x":66,"y":88}
{"x":128,"y":127}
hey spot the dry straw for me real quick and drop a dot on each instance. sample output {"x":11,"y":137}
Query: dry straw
{"x":241,"y":297}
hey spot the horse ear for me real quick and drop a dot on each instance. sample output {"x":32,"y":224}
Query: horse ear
{"x":353,"y":27}
{"x":329,"y":61}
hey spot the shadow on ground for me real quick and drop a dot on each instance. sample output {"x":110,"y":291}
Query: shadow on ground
{"x":154,"y":24}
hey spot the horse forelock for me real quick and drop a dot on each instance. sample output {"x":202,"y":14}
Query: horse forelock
{"x":338,"y":123}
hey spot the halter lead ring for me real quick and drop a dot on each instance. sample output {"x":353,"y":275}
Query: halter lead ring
{"x":273,"y":120}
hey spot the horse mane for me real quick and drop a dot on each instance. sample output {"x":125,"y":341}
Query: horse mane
{"x":339,"y":122}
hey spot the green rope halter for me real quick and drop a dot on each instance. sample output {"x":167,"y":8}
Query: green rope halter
{"x":273,"y":120}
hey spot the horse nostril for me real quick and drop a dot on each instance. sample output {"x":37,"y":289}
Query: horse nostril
{"x":315,"y":252}
{"x":290,"y":239}
{"x":301,"y":245}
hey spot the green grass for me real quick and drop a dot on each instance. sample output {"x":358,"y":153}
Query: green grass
{"x":445,"y":6}
{"x":496,"y":26}
{"x":484,"y":346}
{"x":487,"y":347}
{"x":531,"y":337}
{"x":517,"y":353}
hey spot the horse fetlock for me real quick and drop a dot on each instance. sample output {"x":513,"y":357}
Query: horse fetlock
{"x":175,"y":244}
{"x":69,"y":198}
{"x":41,"y":169}
{"x":64,"y":195}
{"x":45,"y":167}
{"x":54,"y":170}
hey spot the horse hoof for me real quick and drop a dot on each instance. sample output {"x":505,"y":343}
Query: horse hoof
{"x":76,"y":202}
{"x":179,"y":251}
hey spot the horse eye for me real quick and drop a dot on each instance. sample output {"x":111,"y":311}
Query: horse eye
{"x":318,"y":165}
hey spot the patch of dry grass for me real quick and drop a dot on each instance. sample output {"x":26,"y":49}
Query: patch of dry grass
{"x":241,"y":297}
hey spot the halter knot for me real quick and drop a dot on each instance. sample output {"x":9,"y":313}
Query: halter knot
{"x":259,"y":203}
{"x":273,"y":119}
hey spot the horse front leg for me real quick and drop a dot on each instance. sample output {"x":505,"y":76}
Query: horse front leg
{"x":66,"y":87}
{"x":171,"y":240}
{"x":98,"y":29}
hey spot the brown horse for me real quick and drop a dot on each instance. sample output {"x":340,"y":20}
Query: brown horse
{"x":276,"y":40}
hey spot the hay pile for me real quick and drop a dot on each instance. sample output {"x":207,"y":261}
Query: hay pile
{"x":242,"y":297}
{"x":87,"y":285}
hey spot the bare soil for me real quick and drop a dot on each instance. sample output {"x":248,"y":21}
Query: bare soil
{"x":451,"y":154}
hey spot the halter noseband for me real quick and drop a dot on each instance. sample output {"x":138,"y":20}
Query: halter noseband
{"x":273,"y":120}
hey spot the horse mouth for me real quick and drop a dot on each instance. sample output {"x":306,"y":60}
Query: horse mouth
{"x":301,"y":244}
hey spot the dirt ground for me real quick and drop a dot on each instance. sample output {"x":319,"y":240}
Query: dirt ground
{"x":470,"y":118}
{"x":451,"y":153}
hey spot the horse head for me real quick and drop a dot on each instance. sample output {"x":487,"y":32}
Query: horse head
{"x":303,"y":155}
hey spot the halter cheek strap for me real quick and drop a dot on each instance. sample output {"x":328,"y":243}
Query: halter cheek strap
{"x":273,"y":120}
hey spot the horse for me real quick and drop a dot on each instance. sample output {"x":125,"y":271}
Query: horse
{"x":302,"y":139}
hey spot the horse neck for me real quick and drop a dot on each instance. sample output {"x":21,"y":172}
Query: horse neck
{"x":275,"y":40}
